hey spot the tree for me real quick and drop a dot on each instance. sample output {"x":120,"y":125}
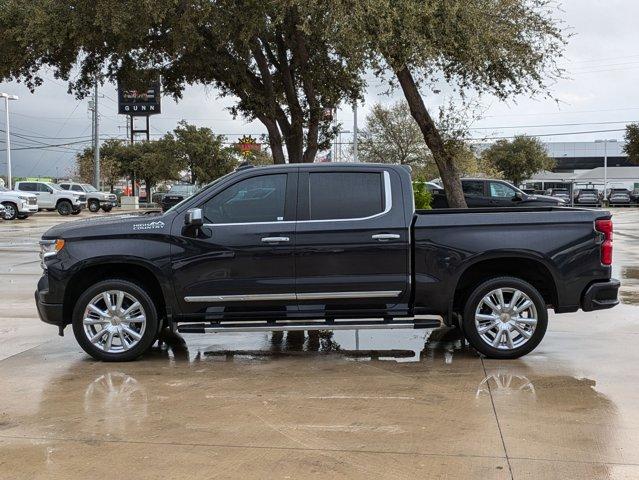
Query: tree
{"x":110,"y":169}
{"x":500,"y":47}
{"x":276,"y":58}
{"x":631,"y":147}
{"x":202,"y":152}
{"x":391,"y":135}
{"x":155,"y":161}
{"x":518,"y":159}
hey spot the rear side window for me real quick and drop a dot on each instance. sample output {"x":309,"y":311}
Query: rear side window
{"x":341,"y":195}
{"x":27,"y":187}
{"x":473,"y":188}
{"x":256,"y":199}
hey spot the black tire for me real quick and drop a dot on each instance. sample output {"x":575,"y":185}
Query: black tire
{"x":11,"y":210}
{"x":64,"y":207}
{"x":94,"y":206}
{"x":140,"y":294}
{"x":471,"y":328}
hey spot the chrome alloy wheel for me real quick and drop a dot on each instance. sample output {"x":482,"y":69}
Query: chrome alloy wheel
{"x":9,"y":212}
{"x":506,"y":318}
{"x":114,"y":321}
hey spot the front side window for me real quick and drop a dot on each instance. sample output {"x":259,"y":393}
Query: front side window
{"x":64,"y":186}
{"x":27,"y":187}
{"x":474,"y":188}
{"x":256,"y":199}
{"x":342,"y":195}
{"x":501,"y":190}
{"x":76,"y":188}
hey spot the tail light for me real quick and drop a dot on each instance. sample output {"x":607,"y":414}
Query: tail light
{"x":605,"y":228}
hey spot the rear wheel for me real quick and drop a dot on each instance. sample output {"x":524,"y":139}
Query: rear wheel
{"x":64,"y":207}
{"x":94,"y":206}
{"x":505,"y":317}
{"x":10,"y":210}
{"x":115,"y":321}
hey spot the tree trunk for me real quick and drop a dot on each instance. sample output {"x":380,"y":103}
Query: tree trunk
{"x":274,"y":140}
{"x":445,"y":162}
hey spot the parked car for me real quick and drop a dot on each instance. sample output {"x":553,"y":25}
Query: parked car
{"x":176,"y":194}
{"x":588,"y":196}
{"x":619,"y":196}
{"x":562,"y":193}
{"x":96,"y":199}
{"x":18,"y":205}
{"x":634,"y":195}
{"x":322,"y":246}
{"x":52,"y":197}
{"x":492,"y":193}
{"x":2,"y":211}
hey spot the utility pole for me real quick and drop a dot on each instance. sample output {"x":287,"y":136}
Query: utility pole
{"x":96,"y":139}
{"x":355,"y":159}
{"x":8,"y":97}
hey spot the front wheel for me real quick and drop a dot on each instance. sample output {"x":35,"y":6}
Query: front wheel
{"x":505,"y":317}
{"x":10,"y":210}
{"x":64,"y":207}
{"x":115,"y":321}
{"x":94,"y":206}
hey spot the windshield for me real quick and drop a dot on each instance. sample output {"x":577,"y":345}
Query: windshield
{"x":188,"y":189}
{"x":205,"y":187}
{"x":89,"y":188}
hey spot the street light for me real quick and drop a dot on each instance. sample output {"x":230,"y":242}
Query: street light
{"x":8,"y":97}
{"x":605,"y":142}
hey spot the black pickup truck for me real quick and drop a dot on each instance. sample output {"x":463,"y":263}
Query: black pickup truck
{"x":326,"y":246}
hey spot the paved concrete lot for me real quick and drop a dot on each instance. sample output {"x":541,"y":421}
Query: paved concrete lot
{"x":261,"y":406}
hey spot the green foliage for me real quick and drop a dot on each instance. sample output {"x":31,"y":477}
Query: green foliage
{"x":423,"y":196}
{"x":275,"y":59}
{"x":391,"y":135}
{"x":518,"y":159}
{"x":110,"y":168}
{"x":631,"y":147}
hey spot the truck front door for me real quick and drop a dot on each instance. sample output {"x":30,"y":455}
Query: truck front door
{"x":352,"y":241}
{"x":242,"y":264}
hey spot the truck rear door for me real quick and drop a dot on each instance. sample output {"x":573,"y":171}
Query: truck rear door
{"x":352,"y":240}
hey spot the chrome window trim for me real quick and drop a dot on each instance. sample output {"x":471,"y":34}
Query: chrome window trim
{"x":293,"y":296}
{"x":388,"y":204}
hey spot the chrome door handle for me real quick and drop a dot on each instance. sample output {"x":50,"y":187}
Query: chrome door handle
{"x":382,"y":237}
{"x":275,"y":239}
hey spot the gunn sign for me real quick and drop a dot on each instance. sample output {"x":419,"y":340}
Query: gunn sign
{"x":139,"y":102}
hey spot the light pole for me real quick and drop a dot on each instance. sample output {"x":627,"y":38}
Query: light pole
{"x":605,"y":143}
{"x":8,"y":97}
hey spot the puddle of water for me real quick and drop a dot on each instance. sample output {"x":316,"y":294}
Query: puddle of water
{"x":356,"y":345}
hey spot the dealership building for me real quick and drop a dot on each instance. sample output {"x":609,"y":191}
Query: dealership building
{"x":582,"y":164}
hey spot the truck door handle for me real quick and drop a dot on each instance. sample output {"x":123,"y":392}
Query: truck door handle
{"x":275,"y":239}
{"x":383,"y":237}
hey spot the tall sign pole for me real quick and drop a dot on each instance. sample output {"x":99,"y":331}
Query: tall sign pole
{"x":355,"y":132}
{"x":8,"y":97}
{"x":96,"y":139}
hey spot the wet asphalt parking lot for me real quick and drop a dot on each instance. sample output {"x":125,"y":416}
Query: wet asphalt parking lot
{"x":372,"y":404}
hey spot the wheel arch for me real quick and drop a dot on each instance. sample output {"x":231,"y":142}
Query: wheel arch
{"x":134,"y":271}
{"x":528,"y":268}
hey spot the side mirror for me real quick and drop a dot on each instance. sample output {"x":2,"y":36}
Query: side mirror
{"x":518,"y":197}
{"x":194,"y":218}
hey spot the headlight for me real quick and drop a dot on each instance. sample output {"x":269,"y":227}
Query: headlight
{"x":49,"y":248}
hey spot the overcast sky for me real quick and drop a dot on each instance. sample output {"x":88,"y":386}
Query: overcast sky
{"x":601,"y":93}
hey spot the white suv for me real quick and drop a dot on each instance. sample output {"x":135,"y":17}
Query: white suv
{"x":52,"y":197}
{"x":95,"y":198}
{"x":17,"y":204}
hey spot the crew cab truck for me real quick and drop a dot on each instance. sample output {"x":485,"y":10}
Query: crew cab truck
{"x":52,"y":197}
{"x":322,"y":246}
{"x":96,"y":199}
{"x":20,"y":205}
